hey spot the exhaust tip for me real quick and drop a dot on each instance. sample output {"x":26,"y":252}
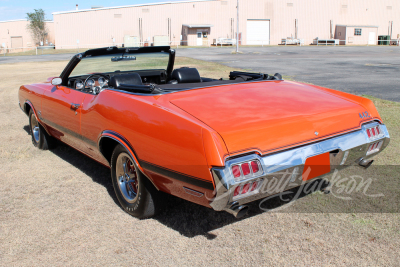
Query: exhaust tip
{"x":242,"y":211}
{"x":238,"y":211}
{"x":365,"y":163}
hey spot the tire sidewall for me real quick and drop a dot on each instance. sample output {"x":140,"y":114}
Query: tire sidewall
{"x":139,"y":206}
{"x":40,"y":143}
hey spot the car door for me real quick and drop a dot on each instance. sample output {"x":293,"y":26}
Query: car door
{"x":61,"y":110}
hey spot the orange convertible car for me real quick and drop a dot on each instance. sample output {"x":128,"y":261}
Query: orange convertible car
{"x":218,"y":143}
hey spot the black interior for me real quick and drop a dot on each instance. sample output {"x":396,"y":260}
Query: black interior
{"x":155,"y":81}
{"x":186,"y":75}
{"x":117,"y":81}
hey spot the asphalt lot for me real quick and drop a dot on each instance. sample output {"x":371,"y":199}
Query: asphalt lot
{"x":368,"y":70}
{"x":358,"y":70}
{"x":39,"y":58}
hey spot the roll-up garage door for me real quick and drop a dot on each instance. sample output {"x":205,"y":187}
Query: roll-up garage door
{"x":16,"y":41}
{"x":257,"y":32}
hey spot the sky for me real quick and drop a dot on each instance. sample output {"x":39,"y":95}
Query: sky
{"x":17,"y":9}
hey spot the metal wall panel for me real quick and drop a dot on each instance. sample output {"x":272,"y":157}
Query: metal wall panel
{"x":109,"y":25}
{"x":9,"y":29}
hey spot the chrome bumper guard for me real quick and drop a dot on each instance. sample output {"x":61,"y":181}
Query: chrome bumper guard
{"x":285,"y":168}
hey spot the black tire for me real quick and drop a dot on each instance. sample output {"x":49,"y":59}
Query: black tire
{"x":134,"y":191}
{"x":40,"y":138}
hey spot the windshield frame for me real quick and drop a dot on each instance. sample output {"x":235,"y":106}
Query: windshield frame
{"x":115,"y":50}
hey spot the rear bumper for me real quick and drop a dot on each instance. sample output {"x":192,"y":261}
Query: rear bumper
{"x":284,"y":170}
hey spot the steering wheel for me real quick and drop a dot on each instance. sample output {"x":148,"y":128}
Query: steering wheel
{"x":94,"y":89}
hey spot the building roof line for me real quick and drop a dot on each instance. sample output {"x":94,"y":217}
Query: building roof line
{"x":138,"y":5}
{"x":198,"y":25}
{"x":367,"y":26}
{"x":15,"y":20}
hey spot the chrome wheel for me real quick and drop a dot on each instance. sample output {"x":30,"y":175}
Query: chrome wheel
{"x":35,"y":128}
{"x":127,"y":179}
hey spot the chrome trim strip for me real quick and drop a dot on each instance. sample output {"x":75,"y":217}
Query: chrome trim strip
{"x":277,"y":150}
{"x":349,"y":149}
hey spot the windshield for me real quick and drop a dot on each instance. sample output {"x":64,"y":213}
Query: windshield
{"x":121,"y":62}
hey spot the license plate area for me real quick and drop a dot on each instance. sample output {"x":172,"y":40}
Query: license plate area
{"x":316,"y":166}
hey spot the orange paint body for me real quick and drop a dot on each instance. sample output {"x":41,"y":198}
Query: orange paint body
{"x":187,"y":133}
{"x":316,"y":166}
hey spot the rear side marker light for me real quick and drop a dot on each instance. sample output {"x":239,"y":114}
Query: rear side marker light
{"x":245,"y":169}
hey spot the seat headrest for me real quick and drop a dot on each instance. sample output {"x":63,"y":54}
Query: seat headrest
{"x":186,"y":75}
{"x":127,"y":79}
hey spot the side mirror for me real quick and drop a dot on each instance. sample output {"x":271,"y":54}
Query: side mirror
{"x":56,"y":81}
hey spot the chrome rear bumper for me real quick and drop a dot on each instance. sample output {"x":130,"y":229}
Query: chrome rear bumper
{"x":284,"y":170}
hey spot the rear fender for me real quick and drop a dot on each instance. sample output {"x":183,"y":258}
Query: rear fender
{"x":125,"y":143}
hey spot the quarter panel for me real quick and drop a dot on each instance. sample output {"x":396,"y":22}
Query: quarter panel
{"x":157,"y":134}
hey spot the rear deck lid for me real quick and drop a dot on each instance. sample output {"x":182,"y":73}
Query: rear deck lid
{"x":271,"y":115}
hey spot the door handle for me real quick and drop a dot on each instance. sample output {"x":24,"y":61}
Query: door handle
{"x":75,"y":106}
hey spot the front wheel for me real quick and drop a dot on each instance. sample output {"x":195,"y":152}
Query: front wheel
{"x":134,"y":192}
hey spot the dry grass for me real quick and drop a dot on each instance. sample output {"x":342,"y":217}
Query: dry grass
{"x":58,"y":207}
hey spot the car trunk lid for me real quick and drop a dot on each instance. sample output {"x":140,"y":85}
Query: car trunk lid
{"x":267,"y":116}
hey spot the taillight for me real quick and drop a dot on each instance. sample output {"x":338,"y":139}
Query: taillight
{"x":254,"y":186}
{"x":374,"y":147}
{"x":245,"y":169}
{"x":246,"y":188}
{"x":374,"y":132}
{"x":237,"y":191}
{"x":254,"y":166}
{"x":236,"y":171}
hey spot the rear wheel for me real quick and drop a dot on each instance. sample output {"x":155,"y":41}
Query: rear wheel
{"x":40,"y":138}
{"x":134,"y":192}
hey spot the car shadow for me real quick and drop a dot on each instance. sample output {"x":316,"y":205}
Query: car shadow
{"x":96,"y":171}
{"x":191,"y":220}
{"x":187,"y":218}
